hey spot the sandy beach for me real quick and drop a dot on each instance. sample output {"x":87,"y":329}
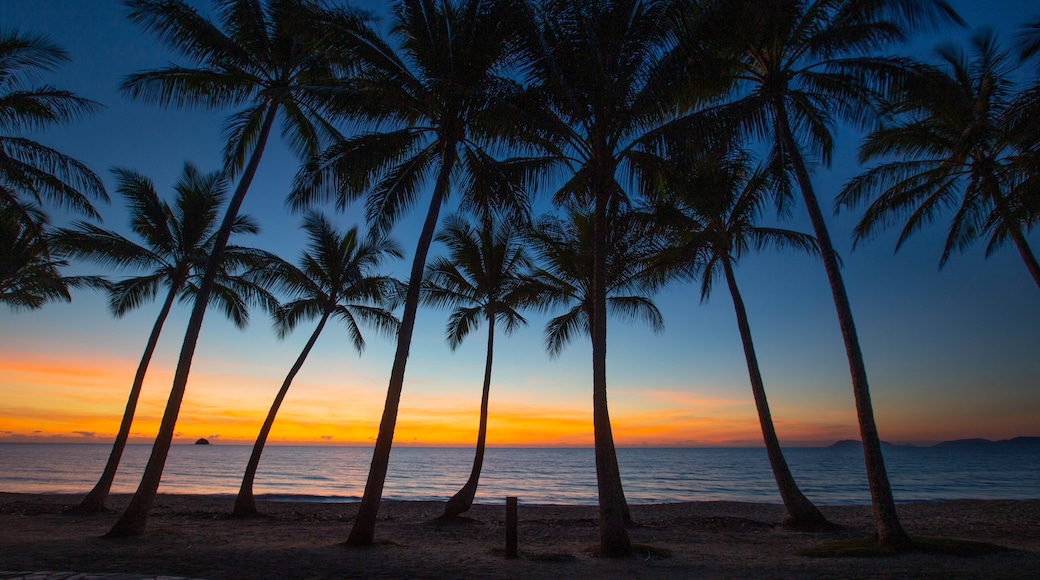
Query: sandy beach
{"x":191,"y":536}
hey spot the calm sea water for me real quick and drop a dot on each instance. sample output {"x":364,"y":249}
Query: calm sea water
{"x":536,"y":476}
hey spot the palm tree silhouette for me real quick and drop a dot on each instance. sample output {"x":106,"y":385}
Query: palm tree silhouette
{"x":29,"y":171}
{"x":334,"y":280}
{"x":609,"y":80}
{"x":270,"y":58}
{"x":177,"y":241}
{"x":948,"y":130}
{"x":483,"y":278}
{"x":434,"y":106}
{"x":708,"y":205}
{"x":800,"y":66}
{"x":566,"y":278}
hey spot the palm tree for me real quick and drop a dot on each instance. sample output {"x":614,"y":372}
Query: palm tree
{"x":567,"y":279}
{"x":434,"y":105}
{"x":334,"y":280}
{"x":947,"y":130}
{"x":268,"y":57}
{"x":610,"y":79}
{"x":29,"y":276}
{"x":482,"y":279}
{"x":177,"y":241}
{"x":801,"y":66}
{"x":563,"y":275}
{"x":708,"y":206}
{"x":29,"y":171}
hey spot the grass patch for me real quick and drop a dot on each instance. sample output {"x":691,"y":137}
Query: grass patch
{"x":869,"y":548}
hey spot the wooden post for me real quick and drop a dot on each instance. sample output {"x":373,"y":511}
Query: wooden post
{"x":511,"y":527}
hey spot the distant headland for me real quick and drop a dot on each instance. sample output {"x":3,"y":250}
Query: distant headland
{"x":955,"y":444}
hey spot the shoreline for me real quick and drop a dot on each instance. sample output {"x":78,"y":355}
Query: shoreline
{"x":191,"y":536}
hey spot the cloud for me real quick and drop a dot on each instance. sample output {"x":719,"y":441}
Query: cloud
{"x":327,"y":437}
{"x":213,"y":437}
{"x":83,"y":433}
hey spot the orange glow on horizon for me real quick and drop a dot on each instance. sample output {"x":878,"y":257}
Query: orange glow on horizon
{"x":82,"y":399}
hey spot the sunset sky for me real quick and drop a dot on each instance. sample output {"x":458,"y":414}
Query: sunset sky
{"x":950,"y":354}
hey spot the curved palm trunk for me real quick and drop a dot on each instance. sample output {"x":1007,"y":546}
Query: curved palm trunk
{"x":94,"y":502}
{"x":1019,"y":239}
{"x":1027,"y":254}
{"x":613,"y":536}
{"x":135,"y":518}
{"x":245,"y":504}
{"x":801,"y":513}
{"x":463,"y":499}
{"x":891,"y":534}
{"x":363,"y":531}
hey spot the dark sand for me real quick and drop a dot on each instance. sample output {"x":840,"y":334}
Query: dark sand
{"x":191,"y":536}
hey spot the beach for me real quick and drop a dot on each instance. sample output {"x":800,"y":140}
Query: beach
{"x":191,"y":536}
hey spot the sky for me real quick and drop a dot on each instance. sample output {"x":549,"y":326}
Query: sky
{"x":950,"y":354}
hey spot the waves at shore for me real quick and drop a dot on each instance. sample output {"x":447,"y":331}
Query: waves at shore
{"x":829,"y":476}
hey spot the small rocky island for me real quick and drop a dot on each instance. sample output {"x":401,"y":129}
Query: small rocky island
{"x":202,"y":441}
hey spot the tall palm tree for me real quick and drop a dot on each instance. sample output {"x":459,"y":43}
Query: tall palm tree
{"x":483,"y":278}
{"x":610,"y":81}
{"x":177,"y":241}
{"x":434,"y":105}
{"x":334,"y":280}
{"x":801,"y":66}
{"x":29,"y":171}
{"x":567,"y":278}
{"x":709,"y":207}
{"x":947,"y":131}
{"x":269,"y":58}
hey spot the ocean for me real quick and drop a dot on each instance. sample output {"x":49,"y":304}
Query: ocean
{"x":828,"y":476}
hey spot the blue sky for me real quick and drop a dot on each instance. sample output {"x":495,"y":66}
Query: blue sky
{"x":949,"y":353}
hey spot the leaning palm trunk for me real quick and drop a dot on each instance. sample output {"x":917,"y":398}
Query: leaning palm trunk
{"x":1015,"y":232}
{"x":891,"y":534}
{"x":801,"y":513}
{"x":612,"y":505}
{"x":1027,"y":254}
{"x":363,"y":531}
{"x":135,"y":518}
{"x":245,"y":504}
{"x":94,"y":502}
{"x":463,"y":499}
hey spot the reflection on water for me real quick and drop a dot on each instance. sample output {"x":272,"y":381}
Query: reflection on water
{"x":536,"y":476}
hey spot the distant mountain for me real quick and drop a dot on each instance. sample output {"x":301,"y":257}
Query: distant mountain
{"x":1016,"y":442}
{"x":857,"y":444}
{"x":955,"y":444}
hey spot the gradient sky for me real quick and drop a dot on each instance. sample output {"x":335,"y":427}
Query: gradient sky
{"x":950,"y":354}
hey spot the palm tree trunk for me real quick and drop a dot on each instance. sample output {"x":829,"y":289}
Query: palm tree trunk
{"x":1027,"y":254}
{"x":463,"y":499}
{"x":94,"y":502}
{"x":891,"y":535}
{"x":245,"y":505}
{"x":1001,"y":205}
{"x":135,"y":518}
{"x":613,"y":536}
{"x":363,"y":531}
{"x":801,"y":513}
